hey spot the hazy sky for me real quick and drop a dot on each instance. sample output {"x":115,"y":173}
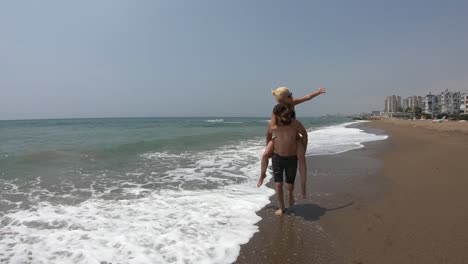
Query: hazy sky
{"x":222,"y":58}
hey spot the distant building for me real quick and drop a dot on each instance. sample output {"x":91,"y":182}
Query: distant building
{"x":375,"y":113}
{"x":415,"y":101}
{"x":464,"y":104}
{"x":392,"y":104}
{"x":450,"y":102}
{"x":431,"y":104}
{"x":404,"y":104}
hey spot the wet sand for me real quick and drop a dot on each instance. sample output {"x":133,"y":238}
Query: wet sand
{"x":402,"y":200}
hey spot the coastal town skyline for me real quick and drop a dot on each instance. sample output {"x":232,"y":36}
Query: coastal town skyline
{"x":449,"y":103}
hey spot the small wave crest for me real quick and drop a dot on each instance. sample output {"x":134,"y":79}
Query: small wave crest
{"x":214,"y":120}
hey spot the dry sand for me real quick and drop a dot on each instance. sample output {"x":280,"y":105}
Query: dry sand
{"x":452,"y":127}
{"x":403,"y":200}
{"x":423,"y":217}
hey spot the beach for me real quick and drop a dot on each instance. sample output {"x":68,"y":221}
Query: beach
{"x":183,"y":190}
{"x":402,"y":200}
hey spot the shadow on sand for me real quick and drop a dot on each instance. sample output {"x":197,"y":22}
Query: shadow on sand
{"x":313,"y":212}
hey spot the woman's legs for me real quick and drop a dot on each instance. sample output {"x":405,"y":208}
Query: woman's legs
{"x":269,"y":149}
{"x":302,"y":167}
{"x":268,"y":153}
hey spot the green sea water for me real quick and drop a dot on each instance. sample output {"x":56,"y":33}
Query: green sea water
{"x":29,"y":145}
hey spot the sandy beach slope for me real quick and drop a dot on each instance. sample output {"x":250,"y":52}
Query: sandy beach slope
{"x":403,"y":200}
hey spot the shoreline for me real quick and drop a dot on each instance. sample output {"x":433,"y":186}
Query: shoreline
{"x":400,"y":200}
{"x":301,"y":236}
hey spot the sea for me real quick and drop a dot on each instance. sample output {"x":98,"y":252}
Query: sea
{"x":140,"y":190}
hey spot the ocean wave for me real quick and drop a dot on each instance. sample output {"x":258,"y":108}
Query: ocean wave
{"x":230,"y":164}
{"x":214,"y":120}
{"x":339,"y":138}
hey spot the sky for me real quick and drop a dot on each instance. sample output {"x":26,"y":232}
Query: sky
{"x":73,"y":59}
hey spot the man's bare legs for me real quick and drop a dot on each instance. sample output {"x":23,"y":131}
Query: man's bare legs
{"x":268,"y":153}
{"x":279,"y":195}
{"x":302,"y":167}
{"x":290,"y":194}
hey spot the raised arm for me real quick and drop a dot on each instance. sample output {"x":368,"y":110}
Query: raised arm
{"x":308,"y":97}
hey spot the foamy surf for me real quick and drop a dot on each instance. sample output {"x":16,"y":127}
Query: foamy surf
{"x":205,"y":226}
{"x":339,"y":138}
{"x":175,"y":207}
{"x":203,"y":215}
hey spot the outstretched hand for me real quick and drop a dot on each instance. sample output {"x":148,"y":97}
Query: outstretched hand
{"x":321,"y":90}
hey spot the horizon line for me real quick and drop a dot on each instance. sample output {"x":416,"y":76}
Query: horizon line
{"x":123,"y":117}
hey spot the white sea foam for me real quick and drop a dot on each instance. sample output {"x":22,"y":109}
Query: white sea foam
{"x":186,"y":224}
{"x":339,"y":138}
{"x":183,"y":225}
{"x":205,"y":226}
{"x":214,"y":120}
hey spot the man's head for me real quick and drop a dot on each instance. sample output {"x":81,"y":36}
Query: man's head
{"x":282,"y":114}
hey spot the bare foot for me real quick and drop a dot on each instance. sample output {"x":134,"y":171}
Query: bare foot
{"x":260,"y":181}
{"x":279,"y":212}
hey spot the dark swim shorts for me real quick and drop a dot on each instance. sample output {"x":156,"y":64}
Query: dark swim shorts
{"x":286,"y":165}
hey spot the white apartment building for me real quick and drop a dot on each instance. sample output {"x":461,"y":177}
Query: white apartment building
{"x":404,"y":104}
{"x":415,"y":101}
{"x":450,"y":102}
{"x":431,"y":104}
{"x":392,"y":104}
{"x":464,"y":104}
